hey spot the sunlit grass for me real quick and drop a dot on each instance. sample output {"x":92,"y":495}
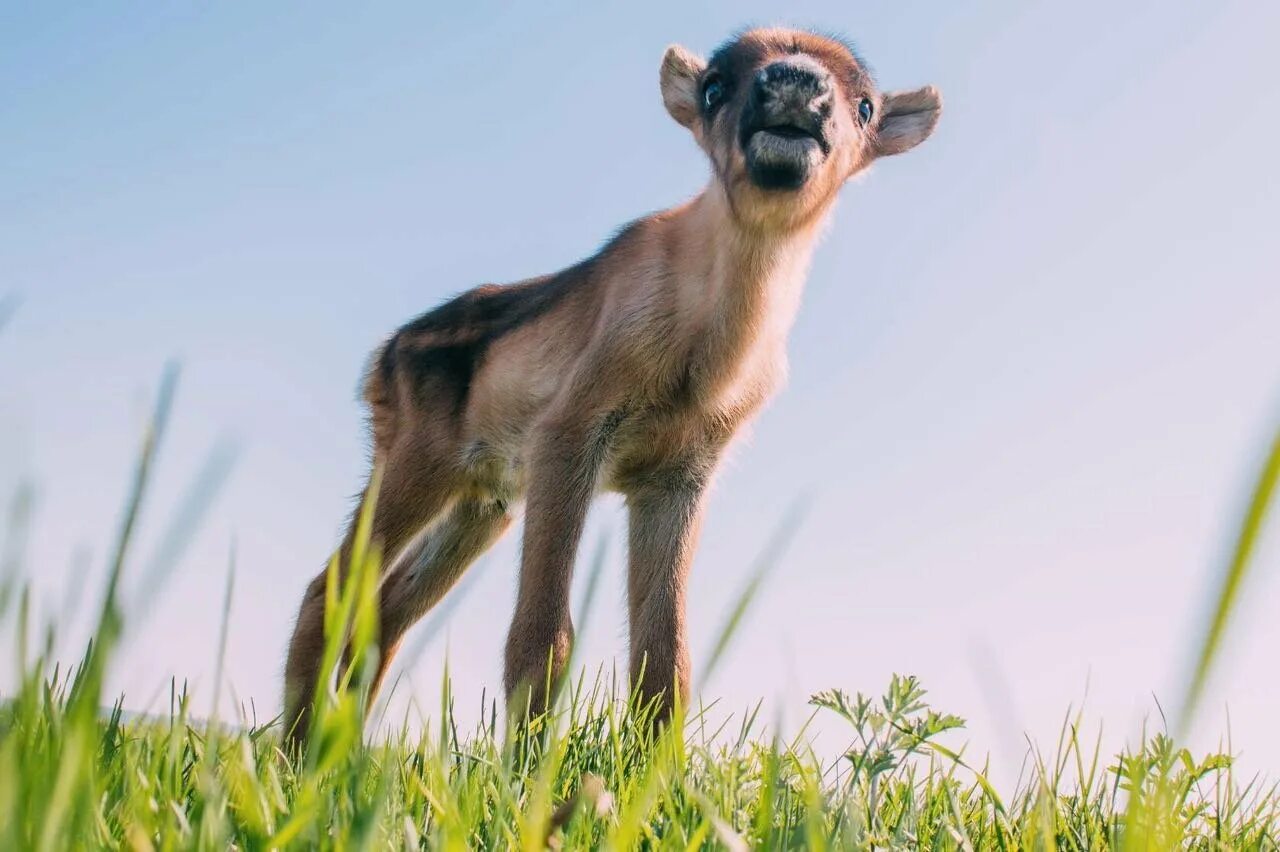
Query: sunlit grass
{"x":593,"y":773}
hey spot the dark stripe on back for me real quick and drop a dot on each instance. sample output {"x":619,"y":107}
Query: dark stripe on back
{"x":449,"y":342}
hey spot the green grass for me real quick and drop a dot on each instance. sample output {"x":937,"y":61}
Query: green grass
{"x":593,"y":773}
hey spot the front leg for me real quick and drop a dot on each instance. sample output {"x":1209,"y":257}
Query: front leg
{"x":563,"y":472}
{"x":665,"y":519}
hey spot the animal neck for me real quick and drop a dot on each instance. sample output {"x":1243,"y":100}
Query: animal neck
{"x":740,"y":290}
{"x":752,"y":278}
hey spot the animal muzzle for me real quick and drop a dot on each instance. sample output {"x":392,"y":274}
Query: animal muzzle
{"x":790,"y":97}
{"x":783,"y":127}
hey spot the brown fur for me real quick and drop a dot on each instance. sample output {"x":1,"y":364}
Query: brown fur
{"x":630,"y":371}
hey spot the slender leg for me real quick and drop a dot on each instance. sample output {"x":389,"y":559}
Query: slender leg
{"x":665,"y":519}
{"x":409,"y":497}
{"x":420,"y":578}
{"x":563,"y":472}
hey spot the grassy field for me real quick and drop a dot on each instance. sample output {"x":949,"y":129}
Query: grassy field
{"x":592,"y":773}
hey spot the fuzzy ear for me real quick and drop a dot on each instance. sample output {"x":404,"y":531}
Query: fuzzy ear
{"x":908,"y":118}
{"x":679,"y":79}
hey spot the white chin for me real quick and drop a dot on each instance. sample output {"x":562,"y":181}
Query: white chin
{"x":781,"y":162}
{"x":773,"y":147}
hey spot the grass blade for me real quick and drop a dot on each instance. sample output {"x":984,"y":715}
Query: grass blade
{"x":1231,"y":582}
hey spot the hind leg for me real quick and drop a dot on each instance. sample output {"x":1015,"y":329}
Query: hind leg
{"x":422,"y":577}
{"x":413,"y":491}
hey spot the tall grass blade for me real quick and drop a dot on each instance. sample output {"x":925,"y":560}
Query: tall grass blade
{"x":1231,"y":582}
{"x":767,"y":561}
{"x":189,"y":517}
{"x":8,"y":307}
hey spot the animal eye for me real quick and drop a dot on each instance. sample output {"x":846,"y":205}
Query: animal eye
{"x":865,"y":110}
{"x":712,"y":93}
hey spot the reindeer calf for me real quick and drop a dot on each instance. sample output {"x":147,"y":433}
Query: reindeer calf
{"x":630,"y":371}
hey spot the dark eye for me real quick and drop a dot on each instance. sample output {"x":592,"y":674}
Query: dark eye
{"x":865,"y":110}
{"x":712,"y":93}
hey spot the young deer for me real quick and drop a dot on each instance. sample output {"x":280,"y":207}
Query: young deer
{"x":630,"y":371}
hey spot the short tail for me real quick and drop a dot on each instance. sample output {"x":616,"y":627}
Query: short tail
{"x":379,"y":392}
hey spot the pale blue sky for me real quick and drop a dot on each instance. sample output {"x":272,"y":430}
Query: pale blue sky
{"x":1036,"y":361}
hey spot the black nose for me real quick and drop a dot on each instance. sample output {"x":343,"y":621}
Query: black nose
{"x":795,"y":82}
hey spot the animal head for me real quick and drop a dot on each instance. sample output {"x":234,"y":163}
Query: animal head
{"x":786,"y":117}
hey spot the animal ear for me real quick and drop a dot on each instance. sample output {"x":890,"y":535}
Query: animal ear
{"x":907,"y":119}
{"x":679,"y":79}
